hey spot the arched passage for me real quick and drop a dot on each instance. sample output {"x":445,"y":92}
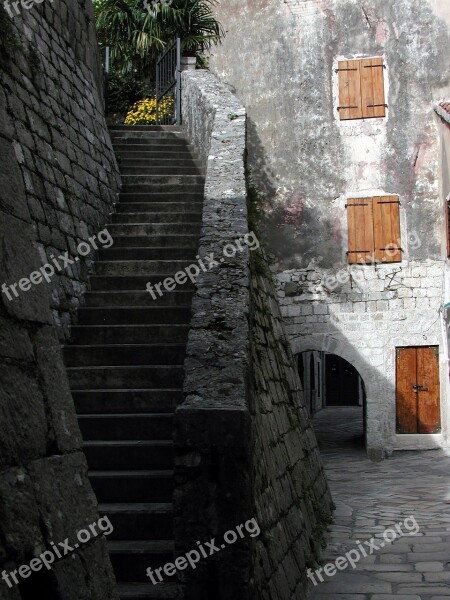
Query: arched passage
{"x":332,"y":383}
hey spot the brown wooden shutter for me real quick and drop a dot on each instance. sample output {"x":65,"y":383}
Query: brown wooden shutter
{"x":349,"y":72}
{"x":373,"y":98}
{"x":360,"y":231}
{"x":386,"y":224}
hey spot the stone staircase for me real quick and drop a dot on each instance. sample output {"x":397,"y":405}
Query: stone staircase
{"x":125,"y":360}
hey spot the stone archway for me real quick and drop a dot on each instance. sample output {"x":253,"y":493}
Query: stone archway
{"x":343,"y":349}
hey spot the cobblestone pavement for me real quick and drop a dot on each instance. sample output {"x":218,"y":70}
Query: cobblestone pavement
{"x":371,"y":497}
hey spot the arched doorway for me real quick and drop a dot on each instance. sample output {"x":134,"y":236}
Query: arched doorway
{"x":334,"y":386}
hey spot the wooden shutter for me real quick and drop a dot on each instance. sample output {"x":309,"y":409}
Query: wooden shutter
{"x":373,"y":98}
{"x":386,"y":224}
{"x":349,"y":72}
{"x":360,"y":231}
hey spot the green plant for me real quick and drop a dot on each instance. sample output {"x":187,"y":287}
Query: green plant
{"x":125,"y":90}
{"x":202,"y":62}
{"x":136,"y":36}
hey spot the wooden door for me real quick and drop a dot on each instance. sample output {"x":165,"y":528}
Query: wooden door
{"x":417,"y":390}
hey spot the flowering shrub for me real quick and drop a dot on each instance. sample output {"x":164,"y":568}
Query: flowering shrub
{"x":143,"y":112}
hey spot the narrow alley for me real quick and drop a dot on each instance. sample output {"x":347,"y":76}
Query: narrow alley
{"x":372,"y":497}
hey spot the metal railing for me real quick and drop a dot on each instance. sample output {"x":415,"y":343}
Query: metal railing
{"x":168,"y":85}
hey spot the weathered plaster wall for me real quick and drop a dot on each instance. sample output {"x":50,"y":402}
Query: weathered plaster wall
{"x":280,"y":59}
{"x":244,"y":444}
{"x":54,"y":159}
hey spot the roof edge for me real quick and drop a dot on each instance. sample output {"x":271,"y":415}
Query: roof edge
{"x":444,"y":113}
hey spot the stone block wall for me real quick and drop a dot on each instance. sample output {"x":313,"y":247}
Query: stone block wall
{"x":58,"y":182}
{"x":55,"y":143}
{"x":292,"y":499}
{"x":244,"y":445}
{"x":362,"y":314}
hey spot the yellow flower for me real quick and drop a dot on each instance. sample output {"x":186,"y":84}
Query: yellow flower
{"x":143,"y":112}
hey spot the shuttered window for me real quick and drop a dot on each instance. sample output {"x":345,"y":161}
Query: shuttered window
{"x":361,"y":89}
{"x":374,"y":230}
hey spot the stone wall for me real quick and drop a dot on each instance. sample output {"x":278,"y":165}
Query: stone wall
{"x":57,"y":184}
{"x":56,"y":145}
{"x":291,"y":494}
{"x":307,"y":163}
{"x":244,"y":446}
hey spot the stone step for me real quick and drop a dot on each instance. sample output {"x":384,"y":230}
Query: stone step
{"x":123,"y":377}
{"x":140,"y":267}
{"x":131,"y":559}
{"x":148,"y":169}
{"x":157,"y":161}
{"x":157,"y":217}
{"x":126,"y":400}
{"x":157,"y":229}
{"x":134,"y":315}
{"x":179,"y":297}
{"x":129,"y":334}
{"x":152,"y":455}
{"x":160,"y":240}
{"x":147,"y":134}
{"x":149,"y":591}
{"x":161,"y":197}
{"x":160,"y":207}
{"x":143,"y":139}
{"x":133,"y":283}
{"x":139,"y":521}
{"x":170,"y":128}
{"x":128,"y":152}
{"x":156,"y":426}
{"x":161,"y":179}
{"x":147,"y":253}
{"x":123,"y":355}
{"x":179,"y":188}
{"x":132,"y":486}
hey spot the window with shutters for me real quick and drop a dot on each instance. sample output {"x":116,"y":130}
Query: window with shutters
{"x":361,"y":89}
{"x":374,"y":230}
